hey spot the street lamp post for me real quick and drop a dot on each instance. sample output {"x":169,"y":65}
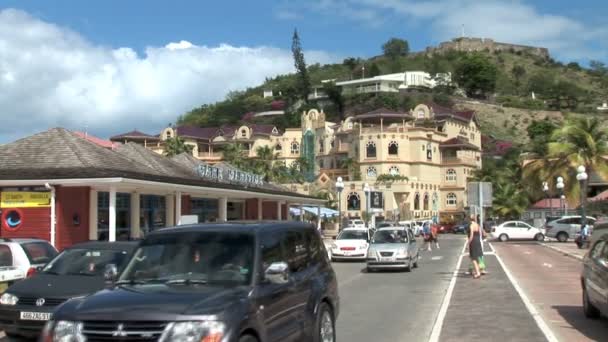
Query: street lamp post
{"x":367,"y":190}
{"x":560,"y":187}
{"x":581,"y":176}
{"x":546,"y":191}
{"x":339,"y":188}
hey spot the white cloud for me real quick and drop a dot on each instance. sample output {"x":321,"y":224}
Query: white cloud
{"x":51,"y":76}
{"x":503,"y":20}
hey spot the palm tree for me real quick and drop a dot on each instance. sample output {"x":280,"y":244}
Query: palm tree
{"x":175,"y":146}
{"x":353,"y":167}
{"x":233,"y":155}
{"x":510,"y":201}
{"x":580,"y":141}
{"x":264,"y":162}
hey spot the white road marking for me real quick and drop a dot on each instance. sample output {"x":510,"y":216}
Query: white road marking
{"x":527,"y":252}
{"x":436,"y":332}
{"x":547,"y":265}
{"x":535,"y":314}
{"x":439,"y":257}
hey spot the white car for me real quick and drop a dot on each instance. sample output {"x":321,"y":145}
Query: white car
{"x":21,"y":258}
{"x":356,"y":224}
{"x":517,"y":230}
{"x":413,"y":225}
{"x":566,"y":227}
{"x":350,"y":244}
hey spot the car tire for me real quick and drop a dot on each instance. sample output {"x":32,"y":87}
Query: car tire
{"x":416,"y":263}
{"x":248,"y":338}
{"x":589,"y":310}
{"x":503,"y":238}
{"x":539,"y":237}
{"x":408,"y":268}
{"x":325,"y":325}
{"x":562,"y":237}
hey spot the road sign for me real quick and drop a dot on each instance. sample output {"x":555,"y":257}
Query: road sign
{"x":473,"y":194}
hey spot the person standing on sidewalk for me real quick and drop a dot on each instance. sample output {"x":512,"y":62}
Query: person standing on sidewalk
{"x":474,"y":243}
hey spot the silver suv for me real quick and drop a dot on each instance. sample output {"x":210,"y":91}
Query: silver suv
{"x":566,"y":227}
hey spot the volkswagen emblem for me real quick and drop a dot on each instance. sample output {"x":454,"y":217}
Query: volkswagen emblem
{"x":40,"y":302}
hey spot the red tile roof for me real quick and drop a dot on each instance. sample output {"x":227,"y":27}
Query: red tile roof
{"x":96,"y":140}
{"x":263,"y":129}
{"x":549,"y":203}
{"x":458,"y":142}
{"x":602,"y":196}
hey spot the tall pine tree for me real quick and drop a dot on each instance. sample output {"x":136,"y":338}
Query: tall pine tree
{"x":303,"y":80}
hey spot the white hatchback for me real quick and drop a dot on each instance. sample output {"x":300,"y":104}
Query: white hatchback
{"x":517,"y":230}
{"x":350,"y":244}
{"x":21,"y":258}
{"x":356,"y":224}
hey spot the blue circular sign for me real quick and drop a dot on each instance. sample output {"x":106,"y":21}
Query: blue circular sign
{"x":13,"y":219}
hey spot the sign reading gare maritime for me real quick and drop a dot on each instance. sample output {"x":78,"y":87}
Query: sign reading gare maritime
{"x":229,"y":175}
{"x":24,"y":199}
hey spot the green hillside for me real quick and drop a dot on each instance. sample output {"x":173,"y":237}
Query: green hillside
{"x":505,"y":111}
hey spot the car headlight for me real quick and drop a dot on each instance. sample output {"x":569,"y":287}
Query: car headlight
{"x":68,"y":331}
{"x":206,"y":331}
{"x":334,"y":246}
{"x":8,"y":299}
{"x":401,"y":252}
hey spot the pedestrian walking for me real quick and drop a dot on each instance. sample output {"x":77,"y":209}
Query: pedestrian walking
{"x":475,"y":248}
{"x":434,"y":235}
{"x":426,"y":233}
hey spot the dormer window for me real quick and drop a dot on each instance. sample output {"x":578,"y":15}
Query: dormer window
{"x":169,"y":134}
{"x":243,"y":133}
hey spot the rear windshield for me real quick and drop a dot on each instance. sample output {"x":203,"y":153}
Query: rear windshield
{"x":86,"y":261}
{"x":353,"y":235}
{"x":6,"y":257}
{"x":39,"y":252}
{"x":390,"y":236}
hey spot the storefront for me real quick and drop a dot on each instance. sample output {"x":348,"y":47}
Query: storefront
{"x":58,"y":186}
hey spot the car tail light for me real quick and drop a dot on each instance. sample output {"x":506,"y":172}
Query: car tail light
{"x":30,"y":272}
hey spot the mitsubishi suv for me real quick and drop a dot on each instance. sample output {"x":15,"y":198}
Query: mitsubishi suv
{"x":222,"y":282}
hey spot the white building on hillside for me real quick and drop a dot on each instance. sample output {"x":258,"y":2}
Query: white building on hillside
{"x":393,"y":83}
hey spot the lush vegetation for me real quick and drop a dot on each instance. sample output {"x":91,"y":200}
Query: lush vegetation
{"x":176,"y":145}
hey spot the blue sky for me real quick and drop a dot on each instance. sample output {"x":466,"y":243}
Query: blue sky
{"x":117,"y":65}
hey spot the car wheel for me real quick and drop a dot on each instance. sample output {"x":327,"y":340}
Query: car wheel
{"x":416,"y":263}
{"x":539,"y":237}
{"x":408,"y":268}
{"x":503,"y":238}
{"x":589,"y":310}
{"x":248,"y":338}
{"x":325,"y":325}
{"x":562,"y":237}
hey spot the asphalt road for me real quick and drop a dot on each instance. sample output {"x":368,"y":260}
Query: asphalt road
{"x":395,"y":306}
{"x":552,"y":282}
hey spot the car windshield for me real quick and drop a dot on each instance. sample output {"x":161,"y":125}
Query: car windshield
{"x":390,"y":236}
{"x":353,"y":235}
{"x":90,"y":262}
{"x":193,"y":258}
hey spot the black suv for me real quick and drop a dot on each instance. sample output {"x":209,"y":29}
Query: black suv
{"x":226,"y":282}
{"x":77,"y":271}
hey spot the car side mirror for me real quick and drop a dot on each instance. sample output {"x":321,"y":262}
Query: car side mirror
{"x":277,"y":273}
{"x":110,"y":273}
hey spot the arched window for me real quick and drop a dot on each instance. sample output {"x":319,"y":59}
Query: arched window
{"x":370,"y":149}
{"x":321,"y":145}
{"x":372,"y":172}
{"x":393,"y":148}
{"x":393,"y":171}
{"x":168,"y":134}
{"x":295,"y":148}
{"x":450,"y":175}
{"x":278,"y":148}
{"x":243,"y":133}
{"x":353,"y":202}
{"x":450,"y":199}
{"x":417,"y":201}
{"x":425,"y":202}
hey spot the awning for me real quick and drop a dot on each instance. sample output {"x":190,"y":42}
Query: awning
{"x":327,"y":212}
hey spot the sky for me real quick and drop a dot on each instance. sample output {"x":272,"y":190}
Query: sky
{"x":112,"y":66}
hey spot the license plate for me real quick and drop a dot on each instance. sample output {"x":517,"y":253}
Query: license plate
{"x":35,"y":316}
{"x":387,"y":259}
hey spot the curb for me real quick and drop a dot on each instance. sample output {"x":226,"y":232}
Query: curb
{"x":572,"y":255}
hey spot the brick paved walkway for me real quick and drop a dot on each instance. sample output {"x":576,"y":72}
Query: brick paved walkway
{"x":488,"y":309}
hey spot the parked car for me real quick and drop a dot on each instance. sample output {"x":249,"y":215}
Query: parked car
{"x":594,"y":278}
{"x":461,"y":228}
{"x":517,"y":230}
{"x":356,"y":224}
{"x":351,"y":244}
{"x":393,"y":248}
{"x":21,"y":258}
{"x":566,"y":227}
{"x":228,"y":282}
{"x":77,"y":271}
{"x":413,"y":225}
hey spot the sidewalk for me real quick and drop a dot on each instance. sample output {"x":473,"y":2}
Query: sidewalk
{"x":488,"y":309}
{"x":566,"y":248}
